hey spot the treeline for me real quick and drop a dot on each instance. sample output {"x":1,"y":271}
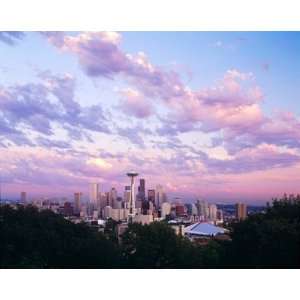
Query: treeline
{"x":32,"y":239}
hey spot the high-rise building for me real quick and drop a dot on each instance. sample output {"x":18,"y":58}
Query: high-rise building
{"x":241,"y":211}
{"x":151,"y":196}
{"x":77,"y":200}
{"x":180,"y":210}
{"x":126,"y":196}
{"x":203,"y":210}
{"x":213,"y":212}
{"x":194,"y":211}
{"x":113,"y":195}
{"x":94,"y":193}
{"x":160,"y":196}
{"x":107,"y":212}
{"x":23,"y":197}
{"x":142,"y":190}
{"x":118,"y":203}
{"x":165,"y":209}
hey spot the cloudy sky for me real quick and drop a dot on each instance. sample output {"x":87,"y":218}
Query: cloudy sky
{"x":206,"y":114}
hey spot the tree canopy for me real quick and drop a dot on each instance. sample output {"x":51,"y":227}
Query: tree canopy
{"x":33,"y":239}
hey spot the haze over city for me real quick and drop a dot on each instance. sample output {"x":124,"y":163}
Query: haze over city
{"x":210,"y":115}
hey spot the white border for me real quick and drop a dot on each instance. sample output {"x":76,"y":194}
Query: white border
{"x":149,"y":15}
{"x":149,"y":284}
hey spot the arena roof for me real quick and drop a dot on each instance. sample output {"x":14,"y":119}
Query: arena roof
{"x":204,"y":229}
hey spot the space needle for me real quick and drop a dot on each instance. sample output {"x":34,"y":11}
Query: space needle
{"x":131,"y":207}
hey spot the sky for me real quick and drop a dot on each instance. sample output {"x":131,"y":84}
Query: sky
{"x":210,"y":115}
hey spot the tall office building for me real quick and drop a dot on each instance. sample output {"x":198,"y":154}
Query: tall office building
{"x":165,"y":209}
{"x":203,"y":210}
{"x":94,"y":193}
{"x":213,"y":212}
{"x":142,"y":190}
{"x":77,"y":204}
{"x":113,"y":195}
{"x":160,"y":196}
{"x":194,"y":211}
{"x":126,"y":196}
{"x":241,"y":211}
{"x":23,"y":197}
{"x":151,"y":196}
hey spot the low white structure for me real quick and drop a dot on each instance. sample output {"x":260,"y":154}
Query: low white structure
{"x":204,"y":229}
{"x":143,"y":219}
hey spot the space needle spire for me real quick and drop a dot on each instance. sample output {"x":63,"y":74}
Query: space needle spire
{"x":131,"y":206}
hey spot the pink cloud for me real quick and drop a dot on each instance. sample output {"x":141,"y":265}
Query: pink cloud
{"x":135,"y":104}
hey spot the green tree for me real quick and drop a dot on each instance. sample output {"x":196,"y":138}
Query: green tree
{"x":33,"y":239}
{"x":268,"y":240}
{"x":157,"y":246}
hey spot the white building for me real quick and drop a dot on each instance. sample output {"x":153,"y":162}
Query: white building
{"x":143,"y":219}
{"x":94,"y":193}
{"x":95,"y":215}
{"x":165,"y":209}
{"x":126,"y":196}
{"x":203,"y":229}
{"x":194,"y":210}
{"x":160,"y":196}
{"x":117,"y":214}
{"x":107,"y":212}
{"x":213,"y":212}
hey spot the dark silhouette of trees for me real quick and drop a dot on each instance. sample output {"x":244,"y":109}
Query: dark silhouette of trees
{"x":268,"y":240}
{"x":32,"y":239}
{"x":157,"y":246}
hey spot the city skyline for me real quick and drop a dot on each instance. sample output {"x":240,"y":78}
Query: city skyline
{"x":209,"y":115}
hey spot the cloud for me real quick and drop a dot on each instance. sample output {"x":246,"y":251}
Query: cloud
{"x":39,"y":106}
{"x":135,"y":134}
{"x":263,"y":157}
{"x":100,"y":55}
{"x":51,"y":143}
{"x":231,"y":107}
{"x":11,"y":37}
{"x":135,"y":104}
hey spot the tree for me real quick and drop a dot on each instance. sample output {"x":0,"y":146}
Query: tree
{"x":33,"y":239}
{"x":268,"y":240}
{"x":157,"y":246}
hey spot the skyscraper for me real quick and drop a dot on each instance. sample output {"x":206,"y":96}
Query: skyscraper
{"x":113,"y":198}
{"x":77,"y":200}
{"x":165,"y":209}
{"x":126,"y":196}
{"x":141,"y":190}
{"x":94,"y":193}
{"x":160,"y":196}
{"x":241,"y":211}
{"x":213,"y":212}
{"x":151,"y":196}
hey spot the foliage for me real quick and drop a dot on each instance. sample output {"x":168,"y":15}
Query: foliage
{"x":32,"y":239}
{"x":157,"y":246}
{"x":268,"y":240}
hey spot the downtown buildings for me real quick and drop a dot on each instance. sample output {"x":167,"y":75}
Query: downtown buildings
{"x":138,"y":204}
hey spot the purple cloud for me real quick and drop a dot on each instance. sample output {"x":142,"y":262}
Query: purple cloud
{"x":11,"y":37}
{"x":31,"y":106}
{"x":135,"y":104}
